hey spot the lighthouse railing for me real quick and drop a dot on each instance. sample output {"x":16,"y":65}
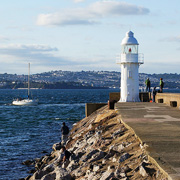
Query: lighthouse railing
{"x":130,"y":58}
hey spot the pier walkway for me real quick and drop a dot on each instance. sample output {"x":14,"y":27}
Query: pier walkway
{"x":157,"y":125}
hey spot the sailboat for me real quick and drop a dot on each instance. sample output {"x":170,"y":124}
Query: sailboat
{"x":28,"y":101}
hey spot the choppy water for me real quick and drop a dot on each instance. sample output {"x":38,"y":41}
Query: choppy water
{"x":27,"y":131}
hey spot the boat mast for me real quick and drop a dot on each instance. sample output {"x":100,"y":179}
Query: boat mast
{"x":28,"y":79}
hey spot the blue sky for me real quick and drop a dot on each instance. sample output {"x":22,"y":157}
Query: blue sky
{"x":85,"y":35}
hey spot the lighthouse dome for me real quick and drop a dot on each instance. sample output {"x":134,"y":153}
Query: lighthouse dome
{"x":129,"y":39}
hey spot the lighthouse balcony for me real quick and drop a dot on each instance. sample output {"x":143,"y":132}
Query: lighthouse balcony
{"x":130,"y":58}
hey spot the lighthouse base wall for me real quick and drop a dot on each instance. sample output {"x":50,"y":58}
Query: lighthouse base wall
{"x":143,"y":96}
{"x":135,"y":99}
{"x":129,"y":82}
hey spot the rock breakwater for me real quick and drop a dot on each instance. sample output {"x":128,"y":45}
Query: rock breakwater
{"x":103,"y":148}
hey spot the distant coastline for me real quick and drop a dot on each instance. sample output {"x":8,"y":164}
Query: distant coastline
{"x":55,"y":85}
{"x":82,"y":80}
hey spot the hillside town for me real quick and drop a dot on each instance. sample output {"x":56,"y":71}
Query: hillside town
{"x":82,"y":79}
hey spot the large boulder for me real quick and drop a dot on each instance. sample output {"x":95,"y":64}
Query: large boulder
{"x":62,"y":174}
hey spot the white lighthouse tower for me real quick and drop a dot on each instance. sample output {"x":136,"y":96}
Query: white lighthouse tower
{"x":130,"y":61}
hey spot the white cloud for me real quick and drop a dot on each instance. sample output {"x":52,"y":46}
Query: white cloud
{"x":145,"y":25}
{"x":91,"y":14}
{"x":104,"y":8}
{"x":171,"y":39}
{"x":13,"y":58}
{"x":36,"y":53}
{"x":3,"y":38}
{"x":77,"y":1}
{"x":20,"y":50}
{"x":66,"y":18}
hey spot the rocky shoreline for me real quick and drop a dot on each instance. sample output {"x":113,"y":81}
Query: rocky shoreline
{"x":103,"y":148}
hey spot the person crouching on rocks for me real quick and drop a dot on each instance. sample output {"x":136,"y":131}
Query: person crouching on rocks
{"x":65,"y":132}
{"x":64,"y":157}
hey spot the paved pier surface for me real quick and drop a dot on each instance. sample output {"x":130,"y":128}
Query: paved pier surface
{"x":158,"y":125}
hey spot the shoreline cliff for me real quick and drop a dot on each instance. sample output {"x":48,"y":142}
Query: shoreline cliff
{"x":103,"y":148}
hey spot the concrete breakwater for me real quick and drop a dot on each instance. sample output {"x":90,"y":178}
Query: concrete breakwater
{"x":102,"y":147}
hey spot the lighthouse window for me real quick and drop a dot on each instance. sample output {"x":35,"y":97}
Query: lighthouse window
{"x":129,"y":49}
{"x":129,"y":74}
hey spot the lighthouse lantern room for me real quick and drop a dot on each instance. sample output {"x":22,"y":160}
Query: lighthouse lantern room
{"x":130,"y":61}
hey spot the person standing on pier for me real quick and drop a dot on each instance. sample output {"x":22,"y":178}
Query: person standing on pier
{"x":65,"y":132}
{"x":161,"y":83}
{"x":148,"y":85}
{"x":154,"y":93}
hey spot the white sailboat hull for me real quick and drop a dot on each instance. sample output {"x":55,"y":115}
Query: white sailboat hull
{"x":25,"y":102}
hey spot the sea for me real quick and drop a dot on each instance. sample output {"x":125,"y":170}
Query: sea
{"x":26,"y":132}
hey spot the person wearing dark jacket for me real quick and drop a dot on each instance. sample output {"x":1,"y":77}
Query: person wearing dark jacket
{"x":154,"y":94}
{"x":65,"y":132}
{"x":64,"y":157}
{"x":161,"y":84}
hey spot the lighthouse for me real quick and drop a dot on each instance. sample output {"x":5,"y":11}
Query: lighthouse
{"x":130,"y":61}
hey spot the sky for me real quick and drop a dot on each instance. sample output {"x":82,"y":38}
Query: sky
{"x":76,"y":35}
